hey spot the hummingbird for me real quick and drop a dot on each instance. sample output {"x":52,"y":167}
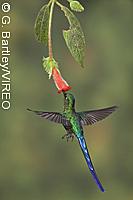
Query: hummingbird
{"x":73,"y":123}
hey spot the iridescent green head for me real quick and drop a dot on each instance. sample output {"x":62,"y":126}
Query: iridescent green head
{"x":69,"y":101}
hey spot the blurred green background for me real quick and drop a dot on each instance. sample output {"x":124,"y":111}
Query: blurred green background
{"x":35,"y":163}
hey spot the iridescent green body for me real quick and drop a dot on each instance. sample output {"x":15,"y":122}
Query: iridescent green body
{"x":73,"y":118}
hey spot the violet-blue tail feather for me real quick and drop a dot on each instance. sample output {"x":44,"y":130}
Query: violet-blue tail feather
{"x":89,"y":162}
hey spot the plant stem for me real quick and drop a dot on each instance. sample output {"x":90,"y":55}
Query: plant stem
{"x":59,"y":4}
{"x":49,"y":31}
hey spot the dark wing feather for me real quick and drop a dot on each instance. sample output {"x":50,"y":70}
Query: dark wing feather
{"x":93,"y":116}
{"x":52,"y":116}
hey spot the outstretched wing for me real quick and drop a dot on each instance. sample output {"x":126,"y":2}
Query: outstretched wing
{"x":93,"y":116}
{"x":52,"y":116}
{"x":84,"y":149}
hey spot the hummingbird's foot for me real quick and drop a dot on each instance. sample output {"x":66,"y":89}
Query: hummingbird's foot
{"x":68,"y":136}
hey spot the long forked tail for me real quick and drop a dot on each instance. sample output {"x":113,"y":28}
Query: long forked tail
{"x":89,"y":162}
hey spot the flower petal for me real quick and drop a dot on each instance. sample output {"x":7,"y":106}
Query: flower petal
{"x":60,"y":83}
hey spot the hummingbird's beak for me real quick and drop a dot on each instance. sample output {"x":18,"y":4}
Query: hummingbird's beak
{"x":64,"y":94}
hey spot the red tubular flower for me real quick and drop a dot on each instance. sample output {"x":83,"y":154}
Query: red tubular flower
{"x":60,"y":83}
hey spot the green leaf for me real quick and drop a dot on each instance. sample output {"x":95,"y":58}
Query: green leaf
{"x":74,"y":37}
{"x":49,"y":64}
{"x":76,"y":6}
{"x":41,"y":25}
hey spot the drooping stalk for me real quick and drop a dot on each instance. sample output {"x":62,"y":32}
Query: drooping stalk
{"x":50,"y":31}
{"x":59,"y":4}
